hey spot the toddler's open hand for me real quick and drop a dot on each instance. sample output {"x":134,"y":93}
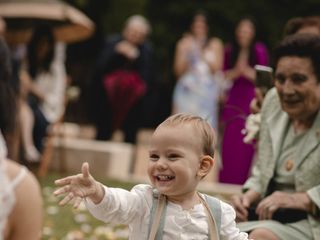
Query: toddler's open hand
{"x":79,"y":186}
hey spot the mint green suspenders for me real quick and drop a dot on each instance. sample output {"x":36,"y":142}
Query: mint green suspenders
{"x":158,"y":211}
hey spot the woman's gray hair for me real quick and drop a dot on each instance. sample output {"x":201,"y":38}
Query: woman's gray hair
{"x":303,"y":45}
{"x":140,"y":20}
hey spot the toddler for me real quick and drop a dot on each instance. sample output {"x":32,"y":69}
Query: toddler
{"x":181,"y":154}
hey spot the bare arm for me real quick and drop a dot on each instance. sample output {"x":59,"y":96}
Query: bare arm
{"x":127,"y":49}
{"x":243,"y":64}
{"x":241,"y":68}
{"x":181,"y":64}
{"x":29,"y":86}
{"x":37,"y":92}
{"x":25,"y":221}
{"x":249,"y":73}
{"x":215,"y":62}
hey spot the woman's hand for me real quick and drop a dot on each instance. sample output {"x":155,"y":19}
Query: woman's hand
{"x":242,"y":203}
{"x":186,"y":43}
{"x":232,"y":74}
{"x":276,"y":200}
{"x":27,"y":86}
{"x":79,"y":186}
{"x":127,"y":49}
{"x":249,"y":73}
{"x":256,"y":103}
{"x":182,"y":52}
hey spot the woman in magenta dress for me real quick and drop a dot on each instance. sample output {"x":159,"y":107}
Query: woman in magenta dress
{"x":240,"y":58}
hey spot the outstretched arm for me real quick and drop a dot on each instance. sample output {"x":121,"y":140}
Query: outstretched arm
{"x":79,"y":186}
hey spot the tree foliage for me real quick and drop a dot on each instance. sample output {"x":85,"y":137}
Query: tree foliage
{"x":171,"y":18}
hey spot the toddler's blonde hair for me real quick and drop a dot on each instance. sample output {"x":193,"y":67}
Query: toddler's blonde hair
{"x":202,"y":126}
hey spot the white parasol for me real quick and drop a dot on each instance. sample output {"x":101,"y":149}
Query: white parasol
{"x":69,"y":24}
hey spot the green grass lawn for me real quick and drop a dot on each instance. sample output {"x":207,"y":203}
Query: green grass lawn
{"x":66,"y":223}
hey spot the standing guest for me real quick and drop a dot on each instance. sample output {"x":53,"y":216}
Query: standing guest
{"x":123,"y":76}
{"x":197,"y":65}
{"x":285,"y":179}
{"x":20,"y":195}
{"x":240,"y":57}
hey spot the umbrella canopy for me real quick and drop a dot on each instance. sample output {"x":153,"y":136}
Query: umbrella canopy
{"x":69,"y":24}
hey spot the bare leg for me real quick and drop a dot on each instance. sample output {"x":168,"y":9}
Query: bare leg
{"x":262,"y":234}
{"x":27,"y":122}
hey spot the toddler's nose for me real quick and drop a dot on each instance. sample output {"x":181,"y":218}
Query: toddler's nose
{"x":162,"y":163}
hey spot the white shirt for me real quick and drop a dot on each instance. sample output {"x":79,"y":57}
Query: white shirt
{"x":133,"y":208}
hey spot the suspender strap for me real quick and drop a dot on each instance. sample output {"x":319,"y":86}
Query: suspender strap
{"x":158,"y":211}
{"x":215,"y":207}
{"x":157,"y":217}
{"x":213,"y":232}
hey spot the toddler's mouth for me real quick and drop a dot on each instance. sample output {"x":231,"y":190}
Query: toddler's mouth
{"x":164,"y":177}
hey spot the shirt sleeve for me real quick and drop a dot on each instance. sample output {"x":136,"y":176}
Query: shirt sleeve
{"x":229,"y":230}
{"x":122,"y":206}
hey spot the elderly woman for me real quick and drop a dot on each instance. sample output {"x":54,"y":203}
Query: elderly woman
{"x":122,"y":80}
{"x":285,"y":179}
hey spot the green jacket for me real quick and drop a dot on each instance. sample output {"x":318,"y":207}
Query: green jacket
{"x":307,"y":177}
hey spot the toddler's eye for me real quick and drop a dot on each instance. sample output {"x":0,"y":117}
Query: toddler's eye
{"x":173,"y":157}
{"x":153,"y":157}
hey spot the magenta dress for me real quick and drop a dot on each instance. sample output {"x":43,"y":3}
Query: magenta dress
{"x":236,"y":155}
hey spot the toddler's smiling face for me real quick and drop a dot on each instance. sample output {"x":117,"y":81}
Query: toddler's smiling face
{"x":174,"y":160}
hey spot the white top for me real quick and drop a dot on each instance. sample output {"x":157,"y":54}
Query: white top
{"x":133,"y":208}
{"x":53,"y":84}
{"x":7,"y":197}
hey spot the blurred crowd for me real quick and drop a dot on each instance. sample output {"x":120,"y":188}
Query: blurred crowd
{"x":214,"y":79}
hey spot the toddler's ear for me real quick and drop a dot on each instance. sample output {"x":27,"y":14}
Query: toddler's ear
{"x":206,"y":163}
